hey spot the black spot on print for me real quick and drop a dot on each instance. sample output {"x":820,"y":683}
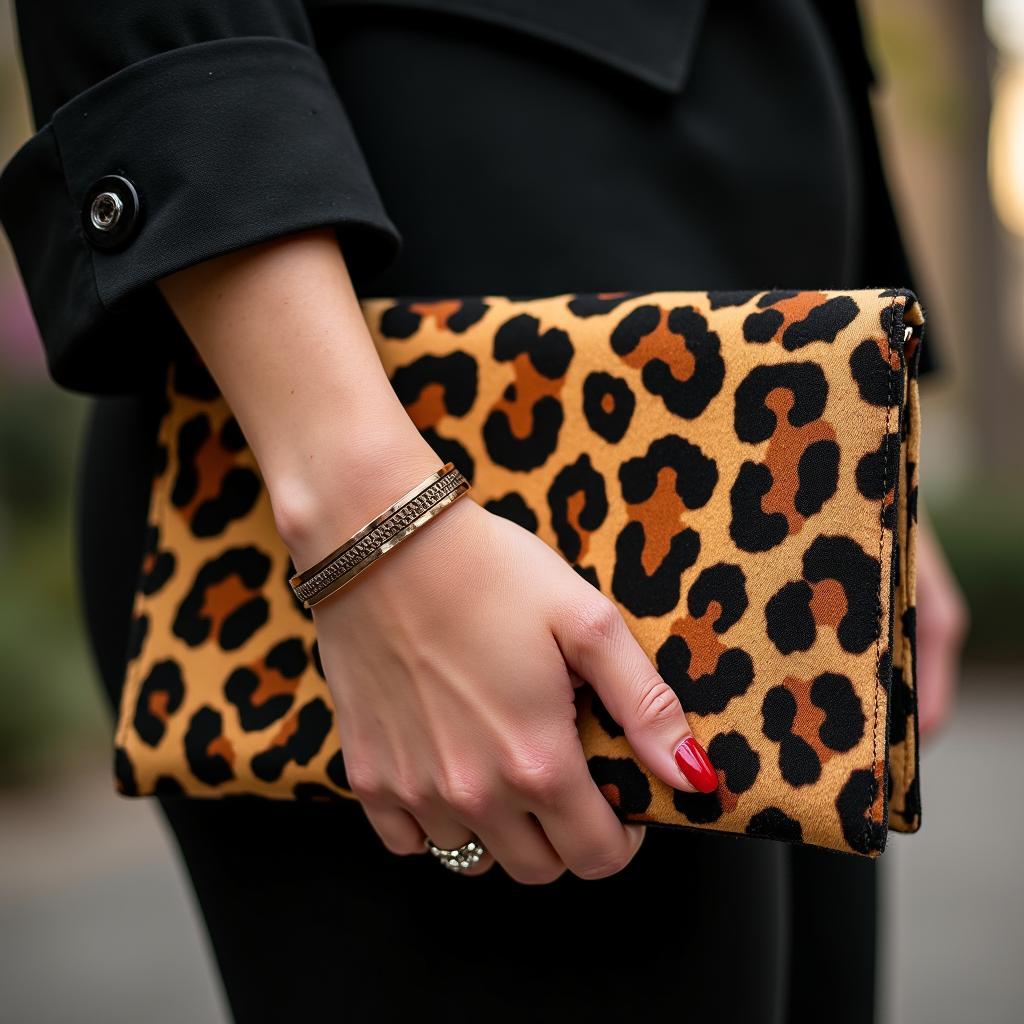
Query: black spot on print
{"x":654,"y":548}
{"x":782,"y":404}
{"x":678,"y":356}
{"x":578,"y":506}
{"x":822,"y":323}
{"x":873,"y":478}
{"x":300,"y":741}
{"x":160,"y":696}
{"x":876,"y":379}
{"x":165,"y":786}
{"x":703,"y":672}
{"x":263,"y":692}
{"x":858,"y":573}
{"x":796,"y":319}
{"x":797,"y":760}
{"x":137,"y":635}
{"x":811,"y":722}
{"x":762,"y":326}
{"x":622,"y":782}
{"x":790,"y":624}
{"x":755,"y":421}
{"x":208,"y":751}
{"x":794,"y":614}
{"x":772,"y":823}
{"x":157,"y":563}
{"x":750,"y":527}
{"x":598,"y":303}
{"x":209,"y":489}
{"x":861,"y":831}
{"x":513,"y":506}
{"x":844,"y":715}
{"x":432,"y":388}
{"x":225,"y":601}
{"x":455,"y":315}
{"x":336,"y":770}
{"x":521,"y":430}
{"x":699,"y":808}
{"x":725,"y":585}
{"x":735,"y":760}
{"x":604,"y":718}
{"x":608,"y":404}
{"x":901,"y":707}
{"x":818,"y":472}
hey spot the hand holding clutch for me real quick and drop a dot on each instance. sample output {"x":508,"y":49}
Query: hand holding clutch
{"x":735,"y":471}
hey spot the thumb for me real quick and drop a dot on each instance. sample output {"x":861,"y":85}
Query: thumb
{"x":638,"y":833}
{"x":597,"y":644}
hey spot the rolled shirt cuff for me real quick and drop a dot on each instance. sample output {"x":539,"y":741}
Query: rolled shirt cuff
{"x":224,"y":144}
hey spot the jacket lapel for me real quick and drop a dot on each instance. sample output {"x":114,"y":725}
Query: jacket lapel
{"x":651,"y":40}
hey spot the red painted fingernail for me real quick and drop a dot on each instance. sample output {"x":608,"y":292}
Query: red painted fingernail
{"x":694,"y":763}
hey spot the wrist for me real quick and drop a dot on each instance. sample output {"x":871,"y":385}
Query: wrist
{"x":428,"y":562}
{"x":318,"y":505}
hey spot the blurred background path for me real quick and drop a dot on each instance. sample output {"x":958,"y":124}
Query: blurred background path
{"x":97,"y":922}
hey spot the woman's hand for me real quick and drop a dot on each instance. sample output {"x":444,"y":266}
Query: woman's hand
{"x":452,"y":660}
{"x":942,"y":621}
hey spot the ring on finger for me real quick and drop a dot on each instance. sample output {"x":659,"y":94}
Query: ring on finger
{"x":461,"y":858}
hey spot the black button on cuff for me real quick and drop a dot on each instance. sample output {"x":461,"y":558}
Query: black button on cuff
{"x":110,"y":211}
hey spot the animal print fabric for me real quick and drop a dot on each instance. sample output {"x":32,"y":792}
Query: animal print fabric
{"x":736,"y":470}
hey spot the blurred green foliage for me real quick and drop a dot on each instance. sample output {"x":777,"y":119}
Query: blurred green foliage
{"x":50,"y":702}
{"x":982,"y":531}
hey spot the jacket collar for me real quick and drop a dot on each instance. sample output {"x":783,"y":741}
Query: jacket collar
{"x":651,"y":40}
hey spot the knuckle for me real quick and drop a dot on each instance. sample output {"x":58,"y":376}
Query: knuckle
{"x":465,"y":794}
{"x":656,"y":703}
{"x":538,"y":776}
{"x":365,"y":781}
{"x":414,"y":796}
{"x":596,"y":620}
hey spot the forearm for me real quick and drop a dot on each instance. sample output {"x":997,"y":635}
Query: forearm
{"x":280,"y":328}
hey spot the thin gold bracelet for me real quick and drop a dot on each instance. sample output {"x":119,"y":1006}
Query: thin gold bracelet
{"x":377,"y":537}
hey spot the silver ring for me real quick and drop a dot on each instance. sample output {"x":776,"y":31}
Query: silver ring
{"x":457,"y":860}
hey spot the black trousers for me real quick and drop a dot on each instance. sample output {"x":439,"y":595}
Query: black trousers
{"x":312,"y":918}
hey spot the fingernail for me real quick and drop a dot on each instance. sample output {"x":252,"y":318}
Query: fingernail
{"x":695,"y":765}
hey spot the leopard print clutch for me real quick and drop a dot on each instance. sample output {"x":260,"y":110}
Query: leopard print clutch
{"x":736,"y":470}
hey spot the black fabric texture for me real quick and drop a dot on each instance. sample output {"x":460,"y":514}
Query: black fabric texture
{"x":649,"y":39}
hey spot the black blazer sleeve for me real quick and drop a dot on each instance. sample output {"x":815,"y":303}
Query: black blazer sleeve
{"x":169,"y":133}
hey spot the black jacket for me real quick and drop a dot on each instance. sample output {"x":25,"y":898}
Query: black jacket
{"x":458,"y":146}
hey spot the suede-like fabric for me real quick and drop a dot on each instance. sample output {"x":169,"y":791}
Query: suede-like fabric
{"x":730,"y":468}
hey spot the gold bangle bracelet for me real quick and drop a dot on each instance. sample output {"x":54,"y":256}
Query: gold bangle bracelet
{"x":377,"y":537}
